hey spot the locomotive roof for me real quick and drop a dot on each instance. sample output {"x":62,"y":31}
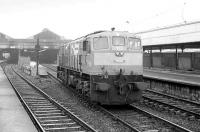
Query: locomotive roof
{"x":111,"y":33}
{"x":107,"y":33}
{"x":104,"y":33}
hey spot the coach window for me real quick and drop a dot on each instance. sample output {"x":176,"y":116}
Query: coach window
{"x":118,"y":41}
{"x":100,"y":43}
{"x":134,"y":43}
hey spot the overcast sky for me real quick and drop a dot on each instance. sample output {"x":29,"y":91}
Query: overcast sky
{"x":75,"y":18}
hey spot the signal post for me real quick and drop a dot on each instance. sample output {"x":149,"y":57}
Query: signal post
{"x":37,"y":48}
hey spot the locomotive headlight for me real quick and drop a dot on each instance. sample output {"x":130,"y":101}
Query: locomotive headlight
{"x":104,"y":72}
{"x":104,"y":75}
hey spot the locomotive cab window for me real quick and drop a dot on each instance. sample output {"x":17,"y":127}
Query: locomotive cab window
{"x":118,"y":41}
{"x":100,"y":43}
{"x":86,"y":46}
{"x":134,"y":43}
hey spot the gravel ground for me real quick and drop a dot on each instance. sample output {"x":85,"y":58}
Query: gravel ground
{"x":179,"y":119}
{"x":91,"y":115}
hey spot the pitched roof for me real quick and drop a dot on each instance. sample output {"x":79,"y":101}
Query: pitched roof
{"x":46,"y":34}
{"x":4,"y":37}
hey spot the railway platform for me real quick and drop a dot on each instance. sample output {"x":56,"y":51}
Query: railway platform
{"x":186,"y":78}
{"x":13,"y":117}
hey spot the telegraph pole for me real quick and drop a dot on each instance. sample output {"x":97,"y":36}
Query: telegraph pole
{"x":37,"y":48}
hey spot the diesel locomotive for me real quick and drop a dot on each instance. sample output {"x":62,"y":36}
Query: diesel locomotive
{"x":105,"y":66}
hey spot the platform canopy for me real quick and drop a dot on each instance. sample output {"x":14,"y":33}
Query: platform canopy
{"x":187,"y":33}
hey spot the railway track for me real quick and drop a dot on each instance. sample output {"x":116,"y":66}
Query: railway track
{"x":136,"y":119}
{"x":173,"y":104}
{"x":141,"y":120}
{"x":46,"y":113}
{"x":52,"y":67}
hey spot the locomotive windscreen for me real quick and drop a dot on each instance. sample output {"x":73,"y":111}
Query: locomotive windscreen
{"x":100,"y":43}
{"x":118,"y":41}
{"x":134,"y":43}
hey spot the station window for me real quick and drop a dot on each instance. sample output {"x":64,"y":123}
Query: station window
{"x":100,"y":43}
{"x":118,"y":41}
{"x":134,"y":43}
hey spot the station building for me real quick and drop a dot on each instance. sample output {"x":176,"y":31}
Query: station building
{"x":48,"y":40}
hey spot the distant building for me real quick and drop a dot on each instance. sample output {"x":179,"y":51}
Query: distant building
{"x":48,"y":40}
{"x":46,"y":34}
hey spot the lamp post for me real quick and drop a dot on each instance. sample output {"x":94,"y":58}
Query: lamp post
{"x":37,"y":48}
{"x":19,"y":54}
{"x":182,"y":13}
